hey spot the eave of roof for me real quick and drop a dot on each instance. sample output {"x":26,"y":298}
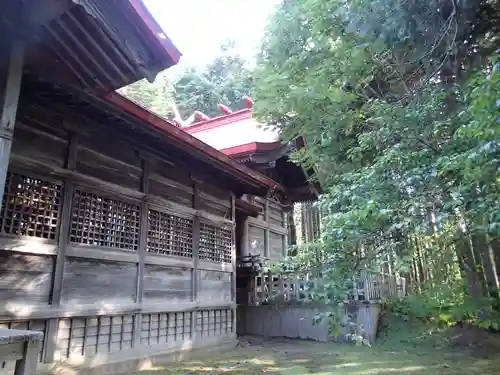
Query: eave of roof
{"x":164,"y":43}
{"x":205,"y":152}
{"x":246,"y":149}
{"x":100,"y":45}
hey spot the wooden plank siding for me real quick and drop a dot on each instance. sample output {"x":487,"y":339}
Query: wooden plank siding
{"x":107,"y":249}
{"x":267,"y":232}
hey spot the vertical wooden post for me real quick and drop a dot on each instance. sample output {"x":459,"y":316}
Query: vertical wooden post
{"x":27,"y":365}
{"x":285,"y":237}
{"x":142,"y":249}
{"x":196,"y":257}
{"x":266,"y":231}
{"x":244,"y":238}
{"x":270,"y":283}
{"x":233,"y":258}
{"x":62,"y":242}
{"x":10,"y":87}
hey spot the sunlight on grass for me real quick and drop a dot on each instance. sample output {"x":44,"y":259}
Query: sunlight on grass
{"x":305,"y":358}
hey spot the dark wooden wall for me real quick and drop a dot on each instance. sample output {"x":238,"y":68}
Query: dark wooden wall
{"x":267,"y":232}
{"x":106,"y":247}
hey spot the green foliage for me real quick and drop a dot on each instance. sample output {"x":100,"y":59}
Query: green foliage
{"x":156,"y":96}
{"x":399,"y":102}
{"x":224,"y":80}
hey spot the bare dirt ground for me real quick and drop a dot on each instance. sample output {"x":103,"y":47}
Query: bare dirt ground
{"x":280,"y":356}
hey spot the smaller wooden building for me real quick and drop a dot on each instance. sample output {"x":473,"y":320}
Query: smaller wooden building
{"x":269,"y":229}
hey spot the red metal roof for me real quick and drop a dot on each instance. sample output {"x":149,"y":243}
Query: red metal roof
{"x":250,"y":148}
{"x":197,"y":147}
{"x":218,"y":121}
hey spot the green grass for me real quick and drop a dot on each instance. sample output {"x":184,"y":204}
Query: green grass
{"x":304,"y":358}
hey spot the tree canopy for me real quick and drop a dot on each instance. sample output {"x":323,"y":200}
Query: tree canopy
{"x":399,"y":103}
{"x":226,"y":79}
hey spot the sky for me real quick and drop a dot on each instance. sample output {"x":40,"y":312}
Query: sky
{"x":199,"y":27}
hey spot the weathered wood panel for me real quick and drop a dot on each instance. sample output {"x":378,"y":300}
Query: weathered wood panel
{"x":275,"y":214}
{"x":276,"y":246}
{"x":93,"y":335}
{"x":215,"y":208}
{"x":40,"y":146}
{"x":174,"y":170}
{"x":99,"y":140}
{"x":108,"y":169}
{"x":260,"y":203}
{"x":88,"y":281}
{"x":215,"y":200}
{"x":25,"y":279}
{"x":256,"y":241}
{"x":166,"y":283}
{"x":160,"y":328}
{"x":214,"y":285}
{"x":214,"y":322}
{"x":171,"y":190}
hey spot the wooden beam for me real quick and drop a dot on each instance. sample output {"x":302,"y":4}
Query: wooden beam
{"x":233,"y":254}
{"x":266,"y":230}
{"x":142,"y":249}
{"x":196,"y":257}
{"x":40,"y":12}
{"x":285,"y":236}
{"x":10,"y":87}
{"x":62,"y":242}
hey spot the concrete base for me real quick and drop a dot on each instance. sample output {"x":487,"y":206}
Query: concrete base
{"x":297,"y":321}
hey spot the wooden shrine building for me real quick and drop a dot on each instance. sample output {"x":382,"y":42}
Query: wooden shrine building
{"x":117,"y":228}
{"x":268,"y":229}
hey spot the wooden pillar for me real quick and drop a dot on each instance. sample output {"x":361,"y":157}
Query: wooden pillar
{"x":285,"y":236}
{"x":142,"y":249}
{"x":27,"y":365}
{"x":244,"y":238}
{"x":62,"y":242}
{"x":196,"y":256}
{"x":10,"y":87}
{"x":233,"y":259}
{"x":266,"y":231}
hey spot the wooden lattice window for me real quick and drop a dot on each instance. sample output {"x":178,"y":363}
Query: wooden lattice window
{"x":95,"y":335}
{"x":214,"y":322}
{"x":215,"y":243}
{"x":101,"y":221}
{"x":159,"y":328}
{"x":30,"y":207}
{"x":170,"y":235}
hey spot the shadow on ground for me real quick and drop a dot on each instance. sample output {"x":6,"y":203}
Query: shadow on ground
{"x":254,"y":356}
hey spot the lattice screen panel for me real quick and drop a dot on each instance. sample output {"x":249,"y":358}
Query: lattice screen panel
{"x":31,"y":325}
{"x":87,"y":336}
{"x":30,"y":207}
{"x":170,"y":235}
{"x":216,"y":243}
{"x":101,"y":221}
{"x":214,"y":322}
{"x":165,"y":327}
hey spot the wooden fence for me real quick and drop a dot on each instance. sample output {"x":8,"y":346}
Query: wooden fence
{"x":301,"y":287}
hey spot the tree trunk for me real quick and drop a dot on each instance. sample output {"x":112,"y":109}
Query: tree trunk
{"x":487,"y":259}
{"x":468,"y":266}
